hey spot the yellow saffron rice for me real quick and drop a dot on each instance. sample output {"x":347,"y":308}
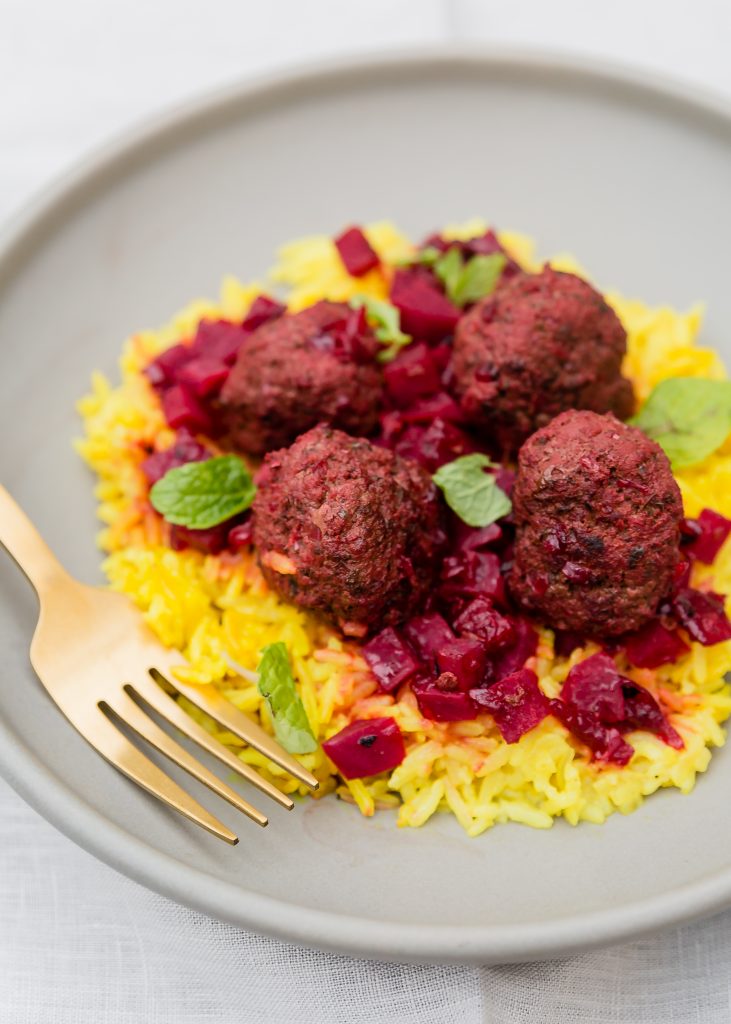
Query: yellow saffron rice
{"x":217,"y":609}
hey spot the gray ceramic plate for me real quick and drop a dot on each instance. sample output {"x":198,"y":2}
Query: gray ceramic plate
{"x":631,"y":175}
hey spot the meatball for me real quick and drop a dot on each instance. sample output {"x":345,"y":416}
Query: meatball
{"x":598,"y":516}
{"x":347,"y":529}
{"x":541,"y":344}
{"x":294,"y":372}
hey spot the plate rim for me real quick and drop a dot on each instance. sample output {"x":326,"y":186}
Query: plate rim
{"x":48,"y":794}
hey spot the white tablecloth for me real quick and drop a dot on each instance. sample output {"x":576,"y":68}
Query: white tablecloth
{"x":79,"y":943}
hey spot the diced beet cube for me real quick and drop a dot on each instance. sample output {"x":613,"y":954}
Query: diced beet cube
{"x":703,"y":615}
{"x":484,"y":245}
{"x":488,"y":244}
{"x":155,"y":466}
{"x":425,"y":312}
{"x":595,"y":685}
{"x":516,"y":703}
{"x":332,"y":315}
{"x":219,"y":340}
{"x":349,"y":338}
{"x":681,"y":574}
{"x":428,"y":634}
{"x":485,"y":576}
{"x":390,"y":658}
{"x":443,"y":441}
{"x":440,"y":406}
{"x":262,"y":310}
{"x":356,"y":252}
{"x":445,"y":705}
{"x":465,"y":659}
{"x":412,"y":375}
{"x":690,"y":530}
{"x":481,"y":620}
{"x":435,"y":241}
{"x":185,"y":448}
{"x":239,"y":536}
{"x":155,"y":375}
{"x":171,"y":359}
{"x":203,"y":375}
{"x":713,"y":529}
{"x":366,"y":747}
{"x":505,"y":479}
{"x":566,"y":642}
{"x":162,"y":372}
{"x":643,"y":712}
{"x":473,"y":574}
{"x":600,"y":698}
{"x":391,"y":426}
{"x":448,"y":377}
{"x":604,"y":741}
{"x":654,"y":645}
{"x":209,"y":542}
{"x":354,"y":326}
{"x":511,"y":659}
{"x":182,"y":409}
{"x":472,"y":538}
{"x":434,"y":445}
{"x":442,"y":354}
{"x":326,"y":342}
{"x":454,"y":576}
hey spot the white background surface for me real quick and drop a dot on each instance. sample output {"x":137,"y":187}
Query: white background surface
{"x":79,"y":943}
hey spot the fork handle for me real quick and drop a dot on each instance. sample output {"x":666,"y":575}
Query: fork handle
{"x":21,"y":539}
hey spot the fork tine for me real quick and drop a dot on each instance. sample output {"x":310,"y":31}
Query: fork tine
{"x":146,"y":688}
{"x":208,"y":699}
{"x":104,"y":736}
{"x":133,"y":716}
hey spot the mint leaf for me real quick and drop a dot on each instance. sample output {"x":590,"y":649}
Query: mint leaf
{"x":471,"y":492}
{"x":200,"y":495}
{"x":387,"y":322}
{"x":426,"y":257}
{"x":449,"y":269}
{"x":276,"y":685}
{"x":478,"y":279}
{"x":689,"y":417}
{"x":467,"y":282}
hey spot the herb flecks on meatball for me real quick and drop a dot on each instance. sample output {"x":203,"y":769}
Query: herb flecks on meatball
{"x":598,"y":517}
{"x":299,"y":370}
{"x":347,"y":529}
{"x":543,"y":343}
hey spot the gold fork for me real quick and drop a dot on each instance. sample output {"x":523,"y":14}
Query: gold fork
{"x":98,"y":660}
